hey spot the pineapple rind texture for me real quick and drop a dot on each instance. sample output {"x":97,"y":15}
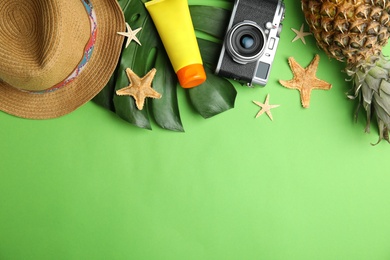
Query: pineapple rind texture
{"x":354,"y":31}
{"x":349,"y":30}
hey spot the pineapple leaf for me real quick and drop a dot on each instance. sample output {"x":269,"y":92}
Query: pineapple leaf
{"x":383,"y":100}
{"x":367,"y":93}
{"x":385,"y":87}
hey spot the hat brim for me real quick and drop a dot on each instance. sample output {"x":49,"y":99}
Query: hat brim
{"x":87,"y":85}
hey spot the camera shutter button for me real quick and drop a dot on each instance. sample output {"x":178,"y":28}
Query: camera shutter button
{"x":269,"y":25}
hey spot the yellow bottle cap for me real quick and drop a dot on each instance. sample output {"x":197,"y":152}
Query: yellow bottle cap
{"x":191,"y":76}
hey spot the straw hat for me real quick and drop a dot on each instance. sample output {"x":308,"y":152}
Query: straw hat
{"x":56,"y":55}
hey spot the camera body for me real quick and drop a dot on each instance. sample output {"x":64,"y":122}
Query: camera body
{"x":251,"y":41}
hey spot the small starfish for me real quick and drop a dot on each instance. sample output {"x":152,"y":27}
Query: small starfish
{"x":139,"y":88}
{"x":130,"y":34}
{"x":265,"y":108}
{"x":300,"y":34}
{"x":305,"y":79}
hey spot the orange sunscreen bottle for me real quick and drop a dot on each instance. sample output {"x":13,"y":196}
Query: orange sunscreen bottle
{"x":174,"y":25}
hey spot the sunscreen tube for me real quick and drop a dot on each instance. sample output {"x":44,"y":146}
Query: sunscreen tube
{"x":174,"y":25}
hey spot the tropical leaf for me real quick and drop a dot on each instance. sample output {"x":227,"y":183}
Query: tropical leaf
{"x":215,"y":96}
{"x":165,"y":109}
{"x":104,"y":98}
{"x":210,"y":20}
{"x":212,"y":97}
{"x":141,"y":59}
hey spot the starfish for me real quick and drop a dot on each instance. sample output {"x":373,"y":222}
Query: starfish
{"x":300,"y":34}
{"x":139,"y":88}
{"x":265,"y":108}
{"x":305,"y":79}
{"x":130,"y":34}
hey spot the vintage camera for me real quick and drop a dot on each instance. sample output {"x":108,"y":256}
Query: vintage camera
{"x":251,"y":41}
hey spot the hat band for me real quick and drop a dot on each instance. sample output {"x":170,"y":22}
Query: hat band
{"x":87,"y":51}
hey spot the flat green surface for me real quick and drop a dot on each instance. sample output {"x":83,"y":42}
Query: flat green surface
{"x":305,"y":186}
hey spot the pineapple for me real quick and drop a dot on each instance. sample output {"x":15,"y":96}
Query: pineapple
{"x":354,"y":32}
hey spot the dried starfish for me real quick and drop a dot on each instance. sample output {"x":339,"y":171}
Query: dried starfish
{"x":130,"y":34}
{"x":139,"y":88}
{"x":305,"y":79}
{"x":265,"y":108}
{"x":300,"y":34}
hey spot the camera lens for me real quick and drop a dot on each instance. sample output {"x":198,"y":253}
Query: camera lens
{"x":245,"y":42}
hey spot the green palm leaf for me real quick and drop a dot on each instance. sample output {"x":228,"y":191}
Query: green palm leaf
{"x":215,"y":96}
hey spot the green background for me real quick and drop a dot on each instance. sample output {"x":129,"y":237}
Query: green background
{"x":307,"y":185}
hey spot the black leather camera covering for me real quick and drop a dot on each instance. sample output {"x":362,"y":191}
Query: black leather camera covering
{"x":260,"y":12}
